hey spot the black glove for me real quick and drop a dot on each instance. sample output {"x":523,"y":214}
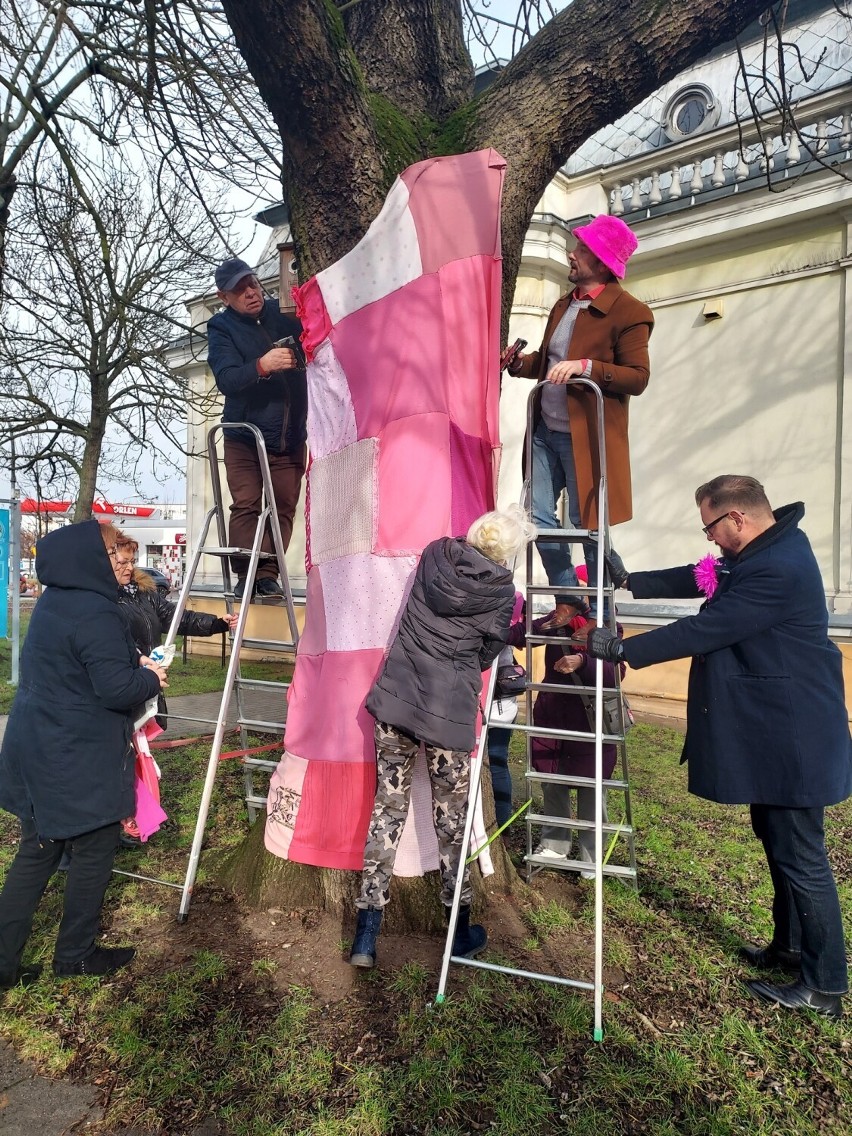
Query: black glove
{"x":604,"y":644}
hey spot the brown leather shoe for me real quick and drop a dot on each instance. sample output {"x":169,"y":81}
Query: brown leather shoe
{"x":562,"y":615}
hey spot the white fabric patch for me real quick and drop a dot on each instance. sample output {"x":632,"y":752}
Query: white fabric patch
{"x":331,"y":415}
{"x":343,"y":517}
{"x":364,"y":597}
{"x":379,"y":264}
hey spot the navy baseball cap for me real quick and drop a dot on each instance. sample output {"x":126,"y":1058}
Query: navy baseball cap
{"x":230,"y":273}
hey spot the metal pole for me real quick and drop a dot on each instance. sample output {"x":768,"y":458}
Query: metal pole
{"x":15,"y":557}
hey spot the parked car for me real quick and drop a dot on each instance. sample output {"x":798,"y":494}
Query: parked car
{"x":159,"y":578}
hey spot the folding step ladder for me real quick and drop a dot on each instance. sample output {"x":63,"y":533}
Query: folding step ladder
{"x":234,"y":681}
{"x":603,"y":591}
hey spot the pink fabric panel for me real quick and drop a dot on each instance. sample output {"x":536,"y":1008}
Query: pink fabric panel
{"x":470,"y":313}
{"x":310,"y":308}
{"x":395,"y":356}
{"x":314,"y":640}
{"x":326,"y":719}
{"x":473,"y":490}
{"x":283,"y":802}
{"x":334,"y":814}
{"x":331,"y":416}
{"x":364,"y":597}
{"x":415,"y":480}
{"x":455,"y":202}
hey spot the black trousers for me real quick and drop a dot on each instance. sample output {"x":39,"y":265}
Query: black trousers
{"x":85,"y":885}
{"x":805,"y":907}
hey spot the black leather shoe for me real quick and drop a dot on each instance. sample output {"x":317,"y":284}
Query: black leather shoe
{"x":102,"y":960}
{"x":239,"y":589}
{"x":797,"y":996}
{"x":268,"y":587}
{"x":25,"y":976}
{"x":771,"y":957}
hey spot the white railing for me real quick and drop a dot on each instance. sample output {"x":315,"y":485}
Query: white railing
{"x":724,"y":159}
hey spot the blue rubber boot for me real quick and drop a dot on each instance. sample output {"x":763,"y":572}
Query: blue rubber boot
{"x":366,"y":929}
{"x":468,"y":941}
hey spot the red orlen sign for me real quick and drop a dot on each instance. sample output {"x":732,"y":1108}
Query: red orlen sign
{"x":180,"y":538}
{"x":123,"y":510}
{"x":31,"y":505}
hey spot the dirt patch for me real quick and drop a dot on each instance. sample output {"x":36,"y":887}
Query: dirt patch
{"x":311,"y":948}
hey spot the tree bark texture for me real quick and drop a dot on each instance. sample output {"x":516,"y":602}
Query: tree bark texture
{"x":262,"y":881}
{"x":352,"y":115}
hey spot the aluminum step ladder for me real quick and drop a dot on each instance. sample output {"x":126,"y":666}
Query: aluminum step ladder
{"x":234,"y":681}
{"x":603,"y":591}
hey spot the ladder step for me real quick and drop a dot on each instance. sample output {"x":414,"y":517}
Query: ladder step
{"x":566,"y":534}
{"x":574,"y":589}
{"x":565,"y":735}
{"x":260,"y":683}
{"x":237,"y":552}
{"x":575,"y":822}
{"x":575,"y":782}
{"x":264,"y":727}
{"x":269,"y":644}
{"x":579,"y":866}
{"x":260,"y":763}
{"x":256,"y":802}
{"x":569,"y":688}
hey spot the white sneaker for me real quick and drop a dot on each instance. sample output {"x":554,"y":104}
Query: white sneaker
{"x":548,"y":853}
{"x":587,"y":873}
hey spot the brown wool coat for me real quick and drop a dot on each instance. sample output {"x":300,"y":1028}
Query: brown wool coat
{"x":613,"y":332}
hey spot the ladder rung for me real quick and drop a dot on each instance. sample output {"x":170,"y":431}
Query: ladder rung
{"x":237,"y":552}
{"x":256,"y":802}
{"x":579,"y":866}
{"x":269,"y":644}
{"x":258,"y":724}
{"x":565,"y":735}
{"x":573,"y":589}
{"x":574,"y":782}
{"x":260,"y":763}
{"x":569,"y":688}
{"x":575,"y":822}
{"x":566,"y":534}
{"x":255,"y":683}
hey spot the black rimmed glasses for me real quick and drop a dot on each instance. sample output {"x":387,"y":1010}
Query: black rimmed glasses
{"x":708,"y":529}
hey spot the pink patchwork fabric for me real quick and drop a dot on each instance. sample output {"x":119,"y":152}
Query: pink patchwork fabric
{"x":403,"y":387}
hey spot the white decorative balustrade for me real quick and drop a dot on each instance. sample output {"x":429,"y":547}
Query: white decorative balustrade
{"x":719,"y":160}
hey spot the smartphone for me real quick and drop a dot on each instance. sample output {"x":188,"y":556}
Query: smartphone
{"x":513,"y":352}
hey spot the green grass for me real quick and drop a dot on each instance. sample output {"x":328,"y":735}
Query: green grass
{"x":686,"y":1052}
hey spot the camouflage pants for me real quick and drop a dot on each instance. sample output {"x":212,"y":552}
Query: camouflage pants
{"x":449,"y":772}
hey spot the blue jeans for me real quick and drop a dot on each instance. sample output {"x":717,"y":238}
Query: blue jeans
{"x":805,"y":909}
{"x":552,"y":471}
{"x":501,"y":779}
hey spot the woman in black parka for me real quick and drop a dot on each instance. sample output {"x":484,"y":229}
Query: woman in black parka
{"x":453,"y":626}
{"x":67,"y":765}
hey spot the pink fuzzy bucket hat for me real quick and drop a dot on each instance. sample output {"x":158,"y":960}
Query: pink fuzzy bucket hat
{"x":610,"y":240}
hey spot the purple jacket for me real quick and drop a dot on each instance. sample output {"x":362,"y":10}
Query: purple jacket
{"x":562,"y":711}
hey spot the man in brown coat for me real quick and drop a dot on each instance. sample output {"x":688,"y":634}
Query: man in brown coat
{"x":599,"y":332}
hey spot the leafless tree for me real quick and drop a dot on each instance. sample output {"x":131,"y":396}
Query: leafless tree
{"x":94,"y":289}
{"x":162,"y":75}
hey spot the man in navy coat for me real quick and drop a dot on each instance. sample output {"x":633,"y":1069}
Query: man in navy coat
{"x":264,"y":386}
{"x":766,"y":718}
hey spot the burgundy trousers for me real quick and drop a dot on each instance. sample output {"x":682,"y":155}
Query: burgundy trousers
{"x":245,"y":481}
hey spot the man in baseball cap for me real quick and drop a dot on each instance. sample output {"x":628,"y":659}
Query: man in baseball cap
{"x":597,"y":331}
{"x":264,"y":386}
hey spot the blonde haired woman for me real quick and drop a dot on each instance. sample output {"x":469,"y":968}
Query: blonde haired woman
{"x":453,"y":626}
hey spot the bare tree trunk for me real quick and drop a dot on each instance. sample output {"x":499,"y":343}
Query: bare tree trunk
{"x":89,"y":466}
{"x":262,"y":880}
